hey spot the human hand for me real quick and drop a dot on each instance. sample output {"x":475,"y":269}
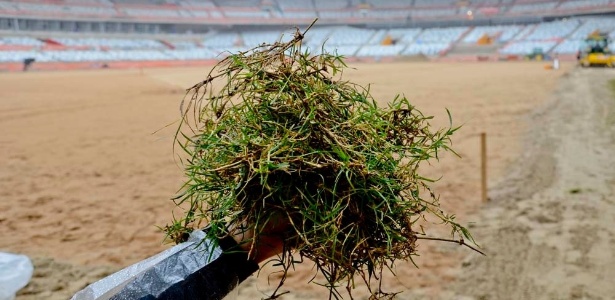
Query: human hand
{"x":269,"y":242}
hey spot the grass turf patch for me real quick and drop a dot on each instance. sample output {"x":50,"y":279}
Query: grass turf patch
{"x":274,"y":135}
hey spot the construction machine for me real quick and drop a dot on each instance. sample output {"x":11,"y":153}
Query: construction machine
{"x":595,"y":51}
{"x":537,"y":54}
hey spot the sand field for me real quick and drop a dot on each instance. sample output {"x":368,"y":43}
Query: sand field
{"x":87,"y":170}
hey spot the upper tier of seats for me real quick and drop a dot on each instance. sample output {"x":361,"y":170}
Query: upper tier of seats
{"x":227,"y":11}
{"x":560,"y":37}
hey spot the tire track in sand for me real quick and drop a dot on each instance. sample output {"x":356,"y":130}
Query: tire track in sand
{"x":549,"y":231}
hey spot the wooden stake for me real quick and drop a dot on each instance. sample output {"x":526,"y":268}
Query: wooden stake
{"x":483,"y":165}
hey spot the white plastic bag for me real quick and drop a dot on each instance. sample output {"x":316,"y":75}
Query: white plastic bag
{"x":15,"y":273}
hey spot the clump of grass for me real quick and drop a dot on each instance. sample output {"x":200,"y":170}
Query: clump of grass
{"x":574,"y":191}
{"x":275,"y":135}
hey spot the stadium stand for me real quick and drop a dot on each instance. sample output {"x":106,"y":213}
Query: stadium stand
{"x":318,"y":36}
{"x":593,"y":24}
{"x":113,"y":43}
{"x":501,"y":33}
{"x":349,"y":36}
{"x":380,"y":51}
{"x":527,"y":30}
{"x":589,"y":25}
{"x":8,"y":7}
{"x":404,"y":35}
{"x":255,"y":38}
{"x":441,"y":35}
{"x":347,"y":50}
{"x":330,"y":4}
{"x":533,"y":7}
{"x":481,"y":3}
{"x":553,"y":30}
{"x":184,"y":45}
{"x":222,"y":40}
{"x":191,"y":54}
{"x":249,"y":14}
{"x":334,"y":10}
{"x":568,"y":47}
{"x":386,"y":14}
{"x":434,"y":3}
{"x":384,"y":28}
{"x":15,"y":56}
{"x":378,"y":37}
{"x":389,"y":4}
{"x":294,"y":15}
{"x":296,"y":5}
{"x":426,"y":49}
{"x":197,"y":4}
{"x":570,"y":5}
{"x":20,"y":41}
{"x":336,"y":14}
{"x":147,"y":13}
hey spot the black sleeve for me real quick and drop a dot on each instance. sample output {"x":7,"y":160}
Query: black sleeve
{"x":174,"y":278}
{"x":215,"y":280}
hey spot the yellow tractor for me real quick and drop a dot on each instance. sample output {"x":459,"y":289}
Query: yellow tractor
{"x":595,"y":51}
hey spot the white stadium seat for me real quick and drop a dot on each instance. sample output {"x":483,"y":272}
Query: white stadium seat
{"x":20,"y":41}
{"x":568,"y":47}
{"x":503,"y":33}
{"x":441,"y":35}
{"x":430,"y":49}
{"x":553,"y":30}
{"x":378,"y":50}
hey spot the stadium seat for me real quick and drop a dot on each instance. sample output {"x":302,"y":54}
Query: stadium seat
{"x":379,"y":51}
{"x":503,"y":33}
{"x":378,"y":37}
{"x":533,"y":7}
{"x":593,"y":24}
{"x":295,"y":5}
{"x":249,"y":14}
{"x":222,"y":40}
{"x":390,"y":3}
{"x":441,"y":35}
{"x":198,"y":4}
{"x":429,"y":49}
{"x":571,"y":5}
{"x":183,"y":45}
{"x":404,"y":35}
{"x":112,"y":43}
{"x":568,"y":47}
{"x":255,"y":38}
{"x":387,"y":14}
{"x":16,"y":56}
{"x":295,"y":14}
{"x":330,"y":4}
{"x":191,"y":54}
{"x":6,"y":6}
{"x":434,"y":3}
{"x":349,"y":36}
{"x":433,"y":13}
{"x":20,"y":41}
{"x":318,"y":35}
{"x":553,"y":30}
{"x":336,"y":14}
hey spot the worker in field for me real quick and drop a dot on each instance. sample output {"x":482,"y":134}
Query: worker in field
{"x":27,"y":63}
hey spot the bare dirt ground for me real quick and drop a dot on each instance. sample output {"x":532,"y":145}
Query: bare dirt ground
{"x":549,"y":231}
{"x":84,"y":182}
